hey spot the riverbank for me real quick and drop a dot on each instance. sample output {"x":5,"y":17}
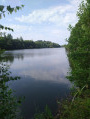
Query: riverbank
{"x":77,"y":106}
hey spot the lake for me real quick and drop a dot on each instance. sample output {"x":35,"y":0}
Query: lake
{"x":43,"y":78}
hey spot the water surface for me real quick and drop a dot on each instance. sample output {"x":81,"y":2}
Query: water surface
{"x":42,"y":73}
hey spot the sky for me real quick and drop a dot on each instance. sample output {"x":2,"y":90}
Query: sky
{"x":42,"y":19}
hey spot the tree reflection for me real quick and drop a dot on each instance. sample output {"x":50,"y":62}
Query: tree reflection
{"x":8,"y":103}
{"x":10,"y":57}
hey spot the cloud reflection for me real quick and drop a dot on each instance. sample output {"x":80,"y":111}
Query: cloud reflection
{"x":42,"y":64}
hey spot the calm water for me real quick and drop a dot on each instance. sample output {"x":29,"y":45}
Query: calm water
{"x":42,"y":73}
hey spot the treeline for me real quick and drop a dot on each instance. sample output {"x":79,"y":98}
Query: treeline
{"x":7,"y":42}
{"x":79,"y":47}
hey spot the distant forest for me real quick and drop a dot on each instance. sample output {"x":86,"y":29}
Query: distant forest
{"x":8,"y":43}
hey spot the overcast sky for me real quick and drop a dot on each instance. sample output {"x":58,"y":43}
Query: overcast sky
{"x":42,"y":19}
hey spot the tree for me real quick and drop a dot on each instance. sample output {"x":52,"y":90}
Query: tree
{"x":8,"y":103}
{"x":9,"y":10}
{"x":79,"y":47}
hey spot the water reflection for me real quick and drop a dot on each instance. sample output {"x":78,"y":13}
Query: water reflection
{"x":42,"y":73}
{"x":42,"y":64}
{"x":20,"y":54}
{"x":9,"y":56}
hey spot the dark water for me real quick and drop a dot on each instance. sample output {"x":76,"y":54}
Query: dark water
{"x":43,"y":81}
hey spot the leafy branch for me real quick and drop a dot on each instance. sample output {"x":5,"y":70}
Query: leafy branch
{"x":8,"y":10}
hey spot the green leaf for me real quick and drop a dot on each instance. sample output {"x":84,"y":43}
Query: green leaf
{"x":4,"y":15}
{"x":2,"y":27}
{"x":11,"y":29}
{"x":8,"y":7}
{"x":5,"y":28}
{"x":15,"y":10}
{"x":22,"y":5}
{"x":10,"y":10}
{"x":1,"y":8}
{"x":17,"y":7}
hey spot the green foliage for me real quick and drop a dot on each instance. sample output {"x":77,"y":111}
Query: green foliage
{"x":79,"y":109}
{"x":79,"y":47}
{"x":8,"y":103}
{"x":45,"y":115}
{"x":7,"y":42}
{"x":8,"y":10}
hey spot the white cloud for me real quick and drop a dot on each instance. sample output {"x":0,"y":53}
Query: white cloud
{"x":53,"y":15}
{"x":47,"y":24}
{"x":65,"y":14}
{"x":20,"y":28}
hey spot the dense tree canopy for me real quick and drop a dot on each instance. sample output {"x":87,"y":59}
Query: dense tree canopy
{"x":79,"y":47}
{"x":7,"y":42}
